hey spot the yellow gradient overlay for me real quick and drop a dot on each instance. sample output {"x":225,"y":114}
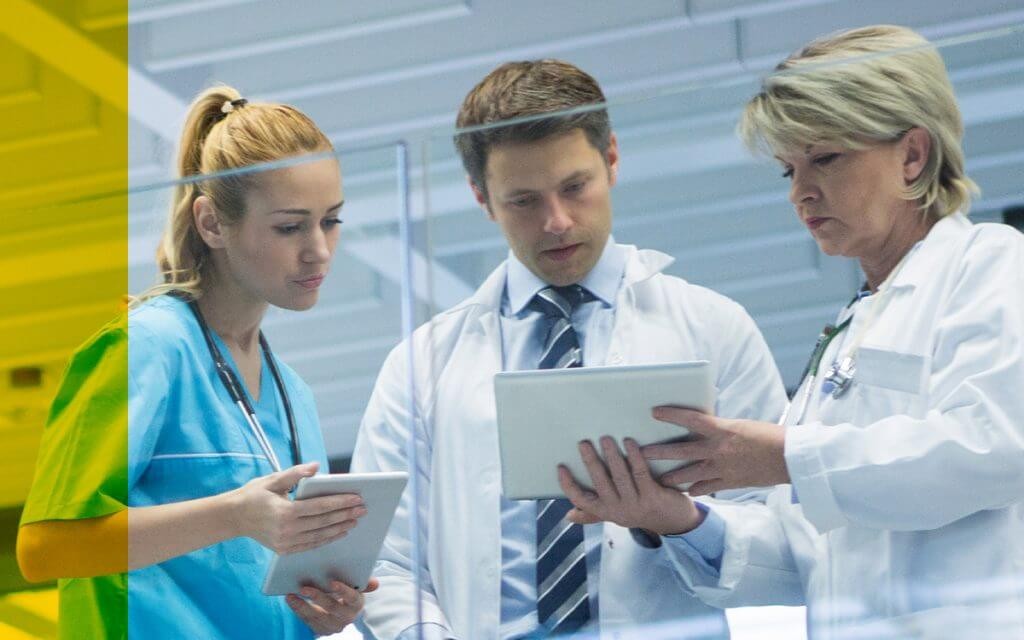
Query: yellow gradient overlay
{"x":63,"y":245}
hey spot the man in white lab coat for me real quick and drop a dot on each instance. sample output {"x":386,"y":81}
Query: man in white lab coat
{"x":546,"y":183}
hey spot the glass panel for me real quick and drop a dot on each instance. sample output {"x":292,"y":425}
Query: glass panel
{"x":688,"y":189}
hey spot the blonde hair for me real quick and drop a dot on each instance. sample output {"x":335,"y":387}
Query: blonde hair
{"x":223,"y":132}
{"x":861,"y":87}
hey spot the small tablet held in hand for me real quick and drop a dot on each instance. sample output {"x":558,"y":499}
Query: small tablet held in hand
{"x":349,"y":559}
{"x":544,"y":414}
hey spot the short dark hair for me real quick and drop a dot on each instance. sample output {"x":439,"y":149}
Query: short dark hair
{"x":520,"y":90}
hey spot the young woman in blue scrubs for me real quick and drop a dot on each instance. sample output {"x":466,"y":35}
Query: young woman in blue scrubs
{"x":211,"y":451}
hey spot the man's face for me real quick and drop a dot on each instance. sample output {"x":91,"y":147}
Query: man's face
{"x":552,"y":200}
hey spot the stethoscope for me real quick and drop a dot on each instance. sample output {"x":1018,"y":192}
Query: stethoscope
{"x":234,"y":389}
{"x":839,"y":376}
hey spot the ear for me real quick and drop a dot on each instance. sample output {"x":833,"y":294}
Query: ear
{"x":207,"y":223}
{"x":917,"y":146}
{"x":480,"y":198}
{"x":611,"y":157}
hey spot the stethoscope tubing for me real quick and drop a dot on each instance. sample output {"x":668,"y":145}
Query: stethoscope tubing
{"x":232,"y":386}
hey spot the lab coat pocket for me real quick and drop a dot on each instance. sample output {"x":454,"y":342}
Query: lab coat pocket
{"x":889,"y":383}
{"x":891,"y":369}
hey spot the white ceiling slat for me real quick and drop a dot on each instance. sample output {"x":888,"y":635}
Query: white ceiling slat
{"x":193,"y":47}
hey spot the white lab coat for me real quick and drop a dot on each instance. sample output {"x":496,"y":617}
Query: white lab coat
{"x":658,"y":319}
{"x":910,"y":522}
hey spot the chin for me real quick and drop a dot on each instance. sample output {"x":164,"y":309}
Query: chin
{"x":297,"y":304}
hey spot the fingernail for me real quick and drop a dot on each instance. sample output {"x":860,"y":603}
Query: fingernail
{"x":360,"y":511}
{"x":307,"y":592}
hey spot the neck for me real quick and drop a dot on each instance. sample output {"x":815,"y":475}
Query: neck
{"x":231,"y":314}
{"x":901,"y":240}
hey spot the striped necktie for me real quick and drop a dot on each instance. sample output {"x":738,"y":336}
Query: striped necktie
{"x":562,"y":603}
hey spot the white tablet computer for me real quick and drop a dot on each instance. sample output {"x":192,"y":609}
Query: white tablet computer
{"x":349,"y":559}
{"x":543,"y":415}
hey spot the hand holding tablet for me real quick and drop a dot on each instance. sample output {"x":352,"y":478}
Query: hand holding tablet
{"x":543,"y":416}
{"x":348,"y":560}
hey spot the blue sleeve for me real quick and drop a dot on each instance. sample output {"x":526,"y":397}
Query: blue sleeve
{"x":148,"y":385}
{"x":705,"y":545}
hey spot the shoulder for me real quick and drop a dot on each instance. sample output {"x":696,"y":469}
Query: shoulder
{"x":164,"y":316}
{"x":161,"y":330}
{"x":990,"y":255}
{"x":998,"y":241}
{"x":693,"y":299}
{"x":108,"y":346}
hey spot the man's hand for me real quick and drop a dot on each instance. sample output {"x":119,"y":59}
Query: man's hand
{"x":625,"y":493}
{"x":328,"y":612}
{"x":728,"y":454}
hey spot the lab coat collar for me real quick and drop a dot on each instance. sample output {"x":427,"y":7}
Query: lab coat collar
{"x":931,"y":249}
{"x":641,"y":265}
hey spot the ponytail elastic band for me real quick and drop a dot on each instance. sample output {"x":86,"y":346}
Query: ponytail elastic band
{"x":231,"y":105}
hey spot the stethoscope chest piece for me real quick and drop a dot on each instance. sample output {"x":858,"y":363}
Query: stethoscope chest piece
{"x":839,"y":377}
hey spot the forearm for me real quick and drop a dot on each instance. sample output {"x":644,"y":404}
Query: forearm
{"x":84,"y":548}
{"x":166,"y":531}
{"x":126,"y":540}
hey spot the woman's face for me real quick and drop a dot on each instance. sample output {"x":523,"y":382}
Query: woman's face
{"x":281,"y":250}
{"x":850,"y":200}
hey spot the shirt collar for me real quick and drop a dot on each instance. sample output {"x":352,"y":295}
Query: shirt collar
{"x":603,"y":281}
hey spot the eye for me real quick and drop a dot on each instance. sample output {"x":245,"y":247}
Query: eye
{"x":788,"y":173}
{"x":574,"y":187}
{"x":331,"y":223}
{"x":522,"y":202}
{"x":288,"y":229}
{"x":824,"y":159}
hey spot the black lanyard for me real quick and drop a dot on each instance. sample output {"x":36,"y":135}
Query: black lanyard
{"x":234,"y":388}
{"x":827,"y":335}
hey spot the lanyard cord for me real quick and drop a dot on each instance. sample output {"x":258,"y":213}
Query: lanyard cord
{"x":234,"y":388}
{"x":830,"y":332}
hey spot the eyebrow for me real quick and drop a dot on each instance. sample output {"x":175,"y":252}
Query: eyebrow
{"x":575,"y":175}
{"x":306,"y":212}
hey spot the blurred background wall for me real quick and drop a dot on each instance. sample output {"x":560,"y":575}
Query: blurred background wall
{"x":372,"y":73}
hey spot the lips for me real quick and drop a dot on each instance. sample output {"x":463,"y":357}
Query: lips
{"x":311,"y":282}
{"x":813,"y":222}
{"x":560,"y":254}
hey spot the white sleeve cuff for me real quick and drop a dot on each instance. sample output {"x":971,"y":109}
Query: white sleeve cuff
{"x":809,"y":477}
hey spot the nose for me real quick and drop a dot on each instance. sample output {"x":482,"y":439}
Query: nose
{"x":802,"y":190}
{"x":320,"y":247}
{"x":558,"y":220}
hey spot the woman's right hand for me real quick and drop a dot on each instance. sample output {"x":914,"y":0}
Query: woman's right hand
{"x":262,"y":511}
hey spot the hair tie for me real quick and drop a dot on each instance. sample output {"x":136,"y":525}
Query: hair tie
{"x":230,"y":106}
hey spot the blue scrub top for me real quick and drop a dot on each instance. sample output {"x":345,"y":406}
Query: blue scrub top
{"x":187,"y":440}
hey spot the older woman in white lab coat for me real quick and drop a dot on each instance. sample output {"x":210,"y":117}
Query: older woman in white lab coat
{"x":900,"y":506}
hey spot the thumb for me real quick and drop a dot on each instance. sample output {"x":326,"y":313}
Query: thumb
{"x":284,"y":480}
